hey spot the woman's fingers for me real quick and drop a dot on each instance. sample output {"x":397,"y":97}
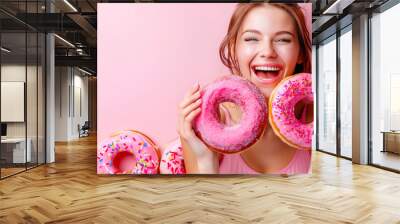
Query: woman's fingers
{"x":189,"y":99}
{"x":188,"y":109}
{"x":192,"y":115}
{"x":193,"y":89}
{"x":191,"y":107}
{"x":189,"y":118}
{"x":185,"y":123}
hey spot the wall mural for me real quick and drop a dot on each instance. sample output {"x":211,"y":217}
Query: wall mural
{"x":204,"y":88}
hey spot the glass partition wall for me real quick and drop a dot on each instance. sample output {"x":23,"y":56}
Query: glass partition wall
{"x":334,"y":94}
{"x":13,"y":88}
{"x":22,"y":87}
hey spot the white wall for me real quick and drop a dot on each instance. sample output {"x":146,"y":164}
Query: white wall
{"x":81,"y":102}
{"x":12,"y":73}
{"x":15,"y":72}
{"x":70,"y":84}
{"x":62,"y":80}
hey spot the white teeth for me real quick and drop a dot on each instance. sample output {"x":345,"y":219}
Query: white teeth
{"x":266,"y":68}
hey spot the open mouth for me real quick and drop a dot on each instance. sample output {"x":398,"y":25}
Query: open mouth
{"x":267,"y":74}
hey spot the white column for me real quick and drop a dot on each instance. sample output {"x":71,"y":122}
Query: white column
{"x":360,"y":90}
{"x":50,"y":93}
{"x":50,"y":100}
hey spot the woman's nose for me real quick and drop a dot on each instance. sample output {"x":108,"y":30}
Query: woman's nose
{"x":268,"y":51}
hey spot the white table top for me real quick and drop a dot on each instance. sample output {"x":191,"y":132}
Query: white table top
{"x":13,"y":140}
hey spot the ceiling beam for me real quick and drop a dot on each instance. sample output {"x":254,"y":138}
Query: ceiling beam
{"x":337,"y":7}
{"x":86,"y":26}
{"x":84,"y":61}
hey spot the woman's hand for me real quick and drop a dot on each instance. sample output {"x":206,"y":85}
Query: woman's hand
{"x":198,"y":157}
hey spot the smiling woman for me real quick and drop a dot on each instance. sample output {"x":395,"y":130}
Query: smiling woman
{"x":282,"y":48}
{"x":265,"y":43}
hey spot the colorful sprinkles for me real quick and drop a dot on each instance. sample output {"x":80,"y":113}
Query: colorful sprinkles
{"x":284,"y":98}
{"x":172,"y":159}
{"x":146,"y":157}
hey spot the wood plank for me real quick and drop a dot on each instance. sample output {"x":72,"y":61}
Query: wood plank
{"x":70,"y":191}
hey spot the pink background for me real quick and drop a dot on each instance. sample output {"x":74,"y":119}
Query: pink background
{"x":149,"y":55}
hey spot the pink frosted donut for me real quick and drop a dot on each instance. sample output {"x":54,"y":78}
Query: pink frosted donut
{"x":172,"y":159}
{"x":284,"y":97}
{"x":225,"y":138}
{"x":128,"y":152}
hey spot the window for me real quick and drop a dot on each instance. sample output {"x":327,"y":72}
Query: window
{"x":346,"y":95}
{"x":385,"y":89}
{"x":327,"y":95}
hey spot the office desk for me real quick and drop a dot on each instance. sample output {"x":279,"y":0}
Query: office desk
{"x":18,"y":149}
{"x":391,"y":141}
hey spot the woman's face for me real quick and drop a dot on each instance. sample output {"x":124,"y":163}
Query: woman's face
{"x":267,"y":47}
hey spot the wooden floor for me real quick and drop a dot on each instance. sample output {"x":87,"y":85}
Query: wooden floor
{"x":10,"y":171}
{"x":5,"y":172}
{"x":388,"y":159}
{"x":69,"y":191}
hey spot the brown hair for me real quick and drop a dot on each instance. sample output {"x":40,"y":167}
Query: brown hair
{"x":227,"y":47}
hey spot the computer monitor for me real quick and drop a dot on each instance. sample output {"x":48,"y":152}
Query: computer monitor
{"x":3,"y":129}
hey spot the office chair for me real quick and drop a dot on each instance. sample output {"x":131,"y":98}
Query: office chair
{"x":84,"y":130}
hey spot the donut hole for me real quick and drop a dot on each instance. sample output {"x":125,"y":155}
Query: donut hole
{"x":124,"y":161}
{"x":234,"y":116}
{"x":304,"y":111}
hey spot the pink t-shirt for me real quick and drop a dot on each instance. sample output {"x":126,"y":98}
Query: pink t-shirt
{"x":234,"y":164}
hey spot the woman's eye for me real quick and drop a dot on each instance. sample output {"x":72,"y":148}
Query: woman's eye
{"x":283,"y":40}
{"x":250,"y":39}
